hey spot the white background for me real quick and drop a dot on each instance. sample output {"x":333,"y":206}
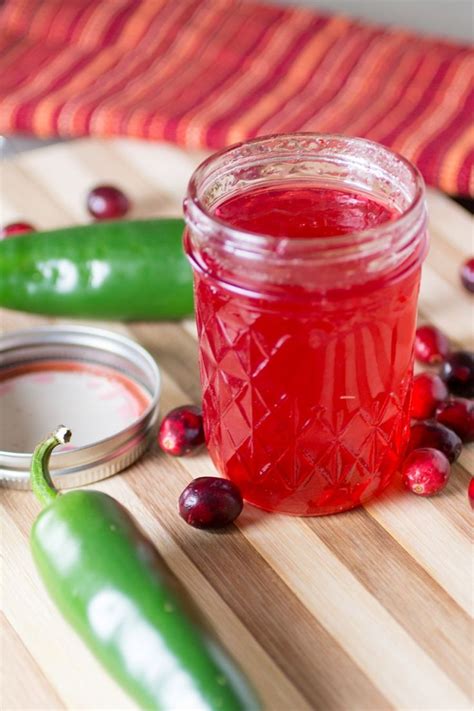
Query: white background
{"x":448,"y":18}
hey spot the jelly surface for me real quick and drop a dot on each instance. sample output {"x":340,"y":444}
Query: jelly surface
{"x":303,"y":212}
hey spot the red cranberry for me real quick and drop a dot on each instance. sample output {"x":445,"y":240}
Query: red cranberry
{"x":431,"y":345}
{"x":210,"y":502}
{"x":16,"y":228}
{"x":458,"y":415}
{"x":470,"y":493}
{"x":107,"y":203}
{"x":436,"y":436}
{"x":457,"y":372}
{"x":429,"y":391}
{"x":425,"y":471}
{"x":181,"y":431}
{"x":467,"y":274}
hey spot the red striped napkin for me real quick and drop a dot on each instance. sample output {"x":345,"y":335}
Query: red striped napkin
{"x":207,"y":73}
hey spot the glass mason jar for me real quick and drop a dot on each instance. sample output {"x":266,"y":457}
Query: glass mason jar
{"x":306,"y":345}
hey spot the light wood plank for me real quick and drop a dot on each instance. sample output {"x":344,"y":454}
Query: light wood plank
{"x":41,"y":209}
{"x":450,"y":221}
{"x":23,"y":685}
{"x":442,"y":300}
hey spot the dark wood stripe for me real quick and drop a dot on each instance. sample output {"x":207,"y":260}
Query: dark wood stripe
{"x":421,"y":606}
{"x":306,"y":653}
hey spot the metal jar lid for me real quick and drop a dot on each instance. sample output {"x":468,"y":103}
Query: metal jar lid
{"x":97,"y":347}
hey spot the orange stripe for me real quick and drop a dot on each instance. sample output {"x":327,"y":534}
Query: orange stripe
{"x":420,"y":81}
{"x":192,"y":130}
{"x":139,"y":81}
{"x":388,"y":94}
{"x":442,"y":112}
{"x":288,"y":86}
{"x":431,"y":160}
{"x":240,"y":82}
{"x":79,"y":86}
{"x":321,"y":87}
{"x":175,"y":86}
{"x":96,"y":96}
{"x":416,"y":126}
{"x":43,"y":118}
{"x":77,"y":34}
{"x":139,"y":23}
{"x":192,"y":43}
{"x":352,"y":95}
{"x":453,"y":160}
{"x":171,"y":62}
{"x":60,"y":65}
{"x":95,"y":23}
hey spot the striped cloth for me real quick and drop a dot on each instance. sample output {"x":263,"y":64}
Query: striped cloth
{"x":207,"y":73}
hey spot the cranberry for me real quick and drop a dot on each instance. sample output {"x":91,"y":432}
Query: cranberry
{"x":429,"y":391}
{"x":457,"y":372}
{"x":431,"y":345}
{"x":470,"y":492}
{"x":16,"y":228}
{"x":210,"y":502}
{"x":106,"y":202}
{"x":467,"y":274}
{"x":436,"y":436}
{"x":458,"y":415}
{"x":181,"y":431}
{"x":425,"y":471}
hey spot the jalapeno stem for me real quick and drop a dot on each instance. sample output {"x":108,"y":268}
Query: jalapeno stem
{"x":40,"y":478}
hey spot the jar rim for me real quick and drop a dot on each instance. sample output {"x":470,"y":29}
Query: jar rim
{"x":251,"y":241}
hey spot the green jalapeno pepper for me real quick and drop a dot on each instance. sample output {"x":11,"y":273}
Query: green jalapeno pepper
{"x":112,"y":586}
{"x":110,"y":270}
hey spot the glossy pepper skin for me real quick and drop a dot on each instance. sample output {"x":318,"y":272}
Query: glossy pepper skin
{"x":110,"y":270}
{"x":112,"y":586}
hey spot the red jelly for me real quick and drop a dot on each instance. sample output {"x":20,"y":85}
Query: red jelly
{"x":306,"y":292}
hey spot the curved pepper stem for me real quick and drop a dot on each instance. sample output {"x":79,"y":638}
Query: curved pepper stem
{"x":40,"y":478}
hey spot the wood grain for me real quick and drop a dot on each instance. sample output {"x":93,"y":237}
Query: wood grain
{"x":15,"y":693}
{"x":366,"y":610}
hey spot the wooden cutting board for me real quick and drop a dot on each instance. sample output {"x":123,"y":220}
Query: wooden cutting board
{"x":365,"y":610}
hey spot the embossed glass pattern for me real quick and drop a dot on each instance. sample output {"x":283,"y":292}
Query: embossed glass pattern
{"x":306,"y":345}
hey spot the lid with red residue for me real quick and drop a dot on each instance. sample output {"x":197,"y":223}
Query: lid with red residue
{"x":102,"y":386}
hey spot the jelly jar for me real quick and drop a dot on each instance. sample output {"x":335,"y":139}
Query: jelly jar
{"x":306,"y":340}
